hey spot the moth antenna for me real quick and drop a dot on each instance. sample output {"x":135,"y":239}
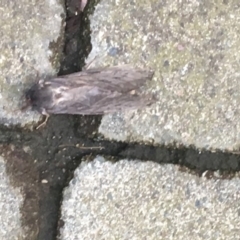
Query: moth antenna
{"x":41,"y":83}
{"x":88,"y":65}
{"x":27,"y":105}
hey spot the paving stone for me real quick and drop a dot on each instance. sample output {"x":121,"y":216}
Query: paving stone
{"x":11,"y":200}
{"x":31,"y":44}
{"x":145,"y":200}
{"x":193,"y":48}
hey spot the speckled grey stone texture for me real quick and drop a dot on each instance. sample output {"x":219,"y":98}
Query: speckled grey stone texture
{"x":193,"y":46}
{"x":136,"y":200}
{"x":11,"y":200}
{"x":27,"y":30}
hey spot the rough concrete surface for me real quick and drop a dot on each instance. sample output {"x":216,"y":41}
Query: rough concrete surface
{"x":193,"y":47}
{"x":19,"y":193}
{"x":136,"y":200}
{"x":31,"y":41}
{"x":11,"y":200}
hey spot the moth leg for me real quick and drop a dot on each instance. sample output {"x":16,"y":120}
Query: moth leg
{"x":44,"y":123}
{"x":46,"y":119}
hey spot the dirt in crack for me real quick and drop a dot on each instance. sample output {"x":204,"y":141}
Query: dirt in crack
{"x":59,"y":148}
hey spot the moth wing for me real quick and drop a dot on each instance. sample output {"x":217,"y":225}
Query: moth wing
{"x":123,"y":79}
{"x":96,"y":91}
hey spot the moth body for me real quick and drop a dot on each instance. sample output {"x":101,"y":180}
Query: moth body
{"x":91,"y":92}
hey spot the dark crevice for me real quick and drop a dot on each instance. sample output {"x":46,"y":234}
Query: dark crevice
{"x":77,"y":36}
{"x":56,"y":149}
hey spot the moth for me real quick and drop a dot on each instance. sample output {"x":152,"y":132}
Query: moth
{"x":91,"y":92}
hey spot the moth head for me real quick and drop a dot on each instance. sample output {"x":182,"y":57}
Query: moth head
{"x":31,"y":97}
